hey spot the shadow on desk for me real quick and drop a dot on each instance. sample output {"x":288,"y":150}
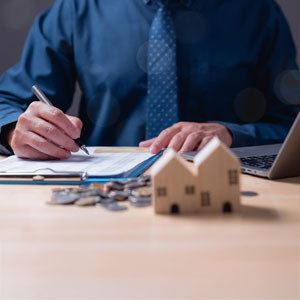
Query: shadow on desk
{"x":291,"y":180}
{"x":259,"y":213}
{"x":247,"y":213}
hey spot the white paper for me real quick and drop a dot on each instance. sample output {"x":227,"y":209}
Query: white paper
{"x":102,"y":164}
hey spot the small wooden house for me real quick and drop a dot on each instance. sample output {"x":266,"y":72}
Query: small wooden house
{"x":210,"y":184}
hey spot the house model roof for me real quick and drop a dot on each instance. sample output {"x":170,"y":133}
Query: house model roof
{"x":171,"y":155}
{"x":209,"y":149}
{"x":203,"y":155}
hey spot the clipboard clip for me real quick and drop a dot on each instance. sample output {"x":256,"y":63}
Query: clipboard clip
{"x":44,"y":177}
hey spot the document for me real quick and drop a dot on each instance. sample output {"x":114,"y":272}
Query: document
{"x":96,"y":165}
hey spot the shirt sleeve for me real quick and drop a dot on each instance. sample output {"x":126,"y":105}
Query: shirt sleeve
{"x":278,"y":78}
{"x":47,"y":60}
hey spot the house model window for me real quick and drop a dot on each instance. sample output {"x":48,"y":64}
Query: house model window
{"x":233,"y":177}
{"x":162,"y":192}
{"x":205,"y":199}
{"x":190,"y":190}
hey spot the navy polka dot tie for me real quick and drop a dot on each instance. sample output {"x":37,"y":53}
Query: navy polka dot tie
{"x":162,"y":98}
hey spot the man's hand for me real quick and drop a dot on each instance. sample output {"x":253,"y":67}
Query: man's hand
{"x":187,"y":137}
{"x":45,"y":132}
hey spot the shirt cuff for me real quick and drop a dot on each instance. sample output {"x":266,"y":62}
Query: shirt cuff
{"x":4,"y":146}
{"x":240,"y":135}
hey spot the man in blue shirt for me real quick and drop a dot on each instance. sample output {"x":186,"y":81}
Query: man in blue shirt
{"x":231,"y":58}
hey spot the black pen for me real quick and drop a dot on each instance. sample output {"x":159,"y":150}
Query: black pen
{"x":42,"y":97}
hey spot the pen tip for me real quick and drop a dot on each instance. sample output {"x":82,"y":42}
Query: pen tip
{"x":84,"y":148}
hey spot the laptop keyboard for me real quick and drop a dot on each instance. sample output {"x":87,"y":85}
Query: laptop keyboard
{"x":262,"y":162}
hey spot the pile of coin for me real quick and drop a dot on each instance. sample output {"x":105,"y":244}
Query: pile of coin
{"x":109,"y":195}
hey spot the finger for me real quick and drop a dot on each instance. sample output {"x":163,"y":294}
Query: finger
{"x":147,"y":143}
{"x":177,"y":141}
{"x":76,"y":122}
{"x":56,"y":117}
{"x":54,"y":134}
{"x":192,"y":142}
{"x":31,"y":153}
{"x":163,"y":139}
{"x":42,"y":145}
{"x":204,"y":142}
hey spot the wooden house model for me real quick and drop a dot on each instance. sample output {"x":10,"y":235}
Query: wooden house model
{"x":210,"y":184}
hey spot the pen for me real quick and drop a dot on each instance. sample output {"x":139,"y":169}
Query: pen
{"x":42,"y":97}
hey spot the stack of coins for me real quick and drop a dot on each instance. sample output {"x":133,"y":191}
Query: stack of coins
{"x":109,"y":195}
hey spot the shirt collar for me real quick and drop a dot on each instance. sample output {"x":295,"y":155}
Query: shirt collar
{"x":186,"y":3}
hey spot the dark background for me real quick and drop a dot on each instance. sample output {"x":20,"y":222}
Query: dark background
{"x":16,"y":17}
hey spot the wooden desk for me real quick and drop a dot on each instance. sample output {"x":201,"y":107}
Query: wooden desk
{"x":54,"y":252}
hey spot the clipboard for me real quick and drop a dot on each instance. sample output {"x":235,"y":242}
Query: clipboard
{"x":73,"y":178}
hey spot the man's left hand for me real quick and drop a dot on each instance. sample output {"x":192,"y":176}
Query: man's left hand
{"x":188,"y":136}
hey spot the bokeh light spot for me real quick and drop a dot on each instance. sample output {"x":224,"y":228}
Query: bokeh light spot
{"x":250,"y":105}
{"x":287,"y":87}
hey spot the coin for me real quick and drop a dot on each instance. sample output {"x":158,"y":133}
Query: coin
{"x":114,"y":185}
{"x":114,"y":206}
{"x":140,"y":201}
{"x":64,"y":197}
{"x":101,"y":193}
{"x":87,"y":201}
{"x":137,"y":190}
{"x":100,"y":187}
{"x":134,"y":185}
{"x":130,"y":180}
{"x":145,"y":177}
{"x":119,"y":195}
{"x":79,"y":190}
{"x":106,"y":201}
{"x":142,"y":192}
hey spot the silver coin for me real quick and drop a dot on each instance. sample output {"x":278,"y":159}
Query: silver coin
{"x":64,"y":197}
{"x":90,"y":193}
{"x":145,"y":177}
{"x":106,"y":200}
{"x":142,"y":181}
{"x":130,"y":180}
{"x":134,"y":185}
{"x":119,"y":195}
{"x":114,"y":185}
{"x":140,"y":201}
{"x":101,"y":194}
{"x":114,"y":206}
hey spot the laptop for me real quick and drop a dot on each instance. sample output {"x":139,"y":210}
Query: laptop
{"x":271,"y":161}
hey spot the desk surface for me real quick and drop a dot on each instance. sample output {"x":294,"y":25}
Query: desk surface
{"x":54,"y":252}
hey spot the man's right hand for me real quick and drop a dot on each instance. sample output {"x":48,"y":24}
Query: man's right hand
{"x":45,"y":132}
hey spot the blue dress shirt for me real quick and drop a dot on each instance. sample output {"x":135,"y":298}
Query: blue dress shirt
{"x":230,"y":56}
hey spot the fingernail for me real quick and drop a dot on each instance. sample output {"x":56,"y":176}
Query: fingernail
{"x":153,"y":149}
{"x":68,"y":155}
{"x":76,"y":134}
{"x":75,"y":148}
